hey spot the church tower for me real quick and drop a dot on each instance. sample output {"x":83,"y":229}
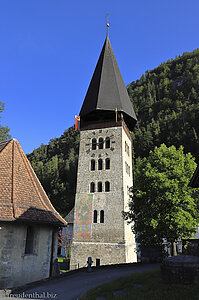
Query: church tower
{"x":104,"y":169}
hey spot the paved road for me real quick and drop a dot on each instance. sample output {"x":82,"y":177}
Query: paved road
{"x":75,"y":284}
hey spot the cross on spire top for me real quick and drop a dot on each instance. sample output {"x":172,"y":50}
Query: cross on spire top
{"x":107,"y":22}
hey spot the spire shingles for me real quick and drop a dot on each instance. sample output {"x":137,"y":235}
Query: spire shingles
{"x":107,"y":90}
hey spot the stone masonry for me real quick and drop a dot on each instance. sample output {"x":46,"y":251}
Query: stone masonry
{"x":18,"y":268}
{"x":111,"y":241}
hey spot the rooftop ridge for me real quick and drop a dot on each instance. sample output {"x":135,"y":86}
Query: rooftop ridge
{"x":12,"y":197}
{"x":3,"y":145}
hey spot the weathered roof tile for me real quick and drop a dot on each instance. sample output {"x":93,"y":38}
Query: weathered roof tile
{"x":21,"y":195}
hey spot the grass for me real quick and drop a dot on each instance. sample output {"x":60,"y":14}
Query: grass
{"x":143,"y":286}
{"x":61,"y":260}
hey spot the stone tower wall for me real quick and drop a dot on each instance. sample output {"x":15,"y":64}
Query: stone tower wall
{"x":127,"y":183}
{"x":112,"y":241}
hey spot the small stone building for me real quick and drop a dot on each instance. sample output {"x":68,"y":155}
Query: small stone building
{"x":28,"y":221}
{"x":67,"y":232}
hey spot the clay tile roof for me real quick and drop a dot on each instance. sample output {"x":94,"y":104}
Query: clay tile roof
{"x":21,"y":195}
{"x":3,"y":145}
{"x":70,"y":217}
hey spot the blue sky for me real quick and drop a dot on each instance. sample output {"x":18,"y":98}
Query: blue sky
{"x":49,"y":49}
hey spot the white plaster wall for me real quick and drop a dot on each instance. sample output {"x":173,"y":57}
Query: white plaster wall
{"x":18,"y":268}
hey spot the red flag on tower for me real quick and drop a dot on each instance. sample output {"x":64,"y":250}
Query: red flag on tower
{"x":77,"y":122}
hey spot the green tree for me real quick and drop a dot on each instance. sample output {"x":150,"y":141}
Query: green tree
{"x":4,"y":131}
{"x":162,"y":205}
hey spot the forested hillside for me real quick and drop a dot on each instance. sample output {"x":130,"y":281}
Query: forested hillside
{"x":166,"y":102}
{"x":56,"y":166}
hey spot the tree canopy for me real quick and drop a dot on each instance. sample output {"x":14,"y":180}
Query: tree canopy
{"x":4,"y":131}
{"x":162,"y":204}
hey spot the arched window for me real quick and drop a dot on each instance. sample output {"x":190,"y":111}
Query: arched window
{"x":107,"y":164}
{"x":99,"y":186}
{"x":100,"y":164}
{"x":92,"y":187}
{"x":101,"y":216}
{"x":94,"y":143}
{"x":107,"y":142}
{"x":95,"y":216}
{"x":92,"y":165}
{"x":101,"y":143}
{"x":107,"y":186}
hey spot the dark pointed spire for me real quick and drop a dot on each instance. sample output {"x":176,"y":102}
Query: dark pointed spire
{"x":107,"y":91}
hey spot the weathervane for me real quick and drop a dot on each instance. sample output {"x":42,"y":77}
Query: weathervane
{"x":107,"y":22}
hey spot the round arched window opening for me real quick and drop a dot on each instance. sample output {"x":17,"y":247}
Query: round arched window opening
{"x":107,"y":144}
{"x":92,"y":187}
{"x":101,"y":143}
{"x":101,"y":216}
{"x":107,"y":164}
{"x":95,"y":216}
{"x":107,"y":186}
{"x":94,"y":144}
{"x":99,"y":186}
{"x":92,"y":165}
{"x":100,"y":164}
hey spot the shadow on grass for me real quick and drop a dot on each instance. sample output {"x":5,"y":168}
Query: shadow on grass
{"x":143,"y":286}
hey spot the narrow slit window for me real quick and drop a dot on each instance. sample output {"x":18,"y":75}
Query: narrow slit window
{"x":92,"y":165}
{"x":29,"y":240}
{"x":95,"y":216}
{"x":107,"y":163}
{"x":92,"y":187}
{"x":101,"y":143}
{"x":107,"y":186}
{"x":101,"y":216}
{"x":99,"y":186}
{"x":107,"y":142}
{"x":94,"y":143}
{"x":97,"y":262}
{"x":100,"y":164}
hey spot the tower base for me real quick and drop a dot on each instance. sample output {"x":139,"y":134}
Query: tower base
{"x":101,"y":253}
